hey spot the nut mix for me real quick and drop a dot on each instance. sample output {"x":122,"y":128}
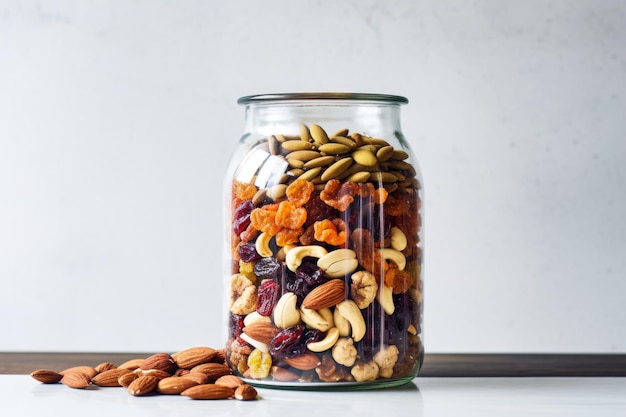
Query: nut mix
{"x":326,"y":262}
{"x":199,"y":373}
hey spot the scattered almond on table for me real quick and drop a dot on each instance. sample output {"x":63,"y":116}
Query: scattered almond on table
{"x":200,"y":373}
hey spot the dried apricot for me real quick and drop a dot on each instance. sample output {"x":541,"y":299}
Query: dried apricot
{"x":244,"y":191}
{"x":339,"y":195}
{"x":332,"y":232}
{"x":299,"y":192}
{"x":288,"y":236}
{"x":264,"y":220}
{"x":400,"y":281}
{"x":290,"y":216}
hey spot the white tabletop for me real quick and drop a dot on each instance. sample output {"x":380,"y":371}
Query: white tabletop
{"x":527,"y":397}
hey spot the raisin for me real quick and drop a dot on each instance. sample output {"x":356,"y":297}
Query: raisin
{"x":241,"y":216}
{"x":311,"y":335}
{"x":267,"y":297}
{"x":287,"y":343}
{"x":295,"y":284}
{"x":235,"y":324}
{"x":247,"y":252}
{"x":310,"y":273}
{"x":317,"y":210}
{"x":266,"y":268}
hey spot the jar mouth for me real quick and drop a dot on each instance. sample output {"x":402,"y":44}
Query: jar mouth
{"x":323,"y":96}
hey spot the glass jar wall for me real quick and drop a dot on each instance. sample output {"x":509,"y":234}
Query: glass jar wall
{"x":324,"y":243}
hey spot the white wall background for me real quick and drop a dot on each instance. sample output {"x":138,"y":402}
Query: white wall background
{"x":117,"y":119}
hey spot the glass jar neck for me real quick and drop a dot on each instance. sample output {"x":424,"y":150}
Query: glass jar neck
{"x":369,"y":117}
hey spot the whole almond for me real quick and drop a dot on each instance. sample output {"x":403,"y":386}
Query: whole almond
{"x":125,"y":379}
{"x":46,"y":376}
{"x":304,"y":362}
{"x":75,"y":379}
{"x":154,"y":372}
{"x":198,"y":377}
{"x":208,"y":392}
{"x":232,"y":381}
{"x":109,"y":378}
{"x":326,"y":295}
{"x":90,"y":371}
{"x":262,"y":331}
{"x":132,"y":364}
{"x":174,"y":385}
{"x":143,"y":385}
{"x":191,"y":357}
{"x":104,"y":366}
{"x":212,"y":370}
{"x":160,"y":361}
{"x":283,"y":374}
{"x":245,"y":392}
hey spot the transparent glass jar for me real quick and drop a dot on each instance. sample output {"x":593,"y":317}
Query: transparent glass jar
{"x":324,"y":242}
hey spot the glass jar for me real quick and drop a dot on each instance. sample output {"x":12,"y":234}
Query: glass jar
{"x":324,"y":241}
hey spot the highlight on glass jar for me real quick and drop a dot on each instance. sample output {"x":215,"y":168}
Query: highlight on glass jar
{"x":323,"y":259}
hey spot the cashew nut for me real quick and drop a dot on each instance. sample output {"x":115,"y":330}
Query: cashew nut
{"x":326,"y":343}
{"x":396,"y":256}
{"x":321,"y":319}
{"x":286,"y":314}
{"x":295,"y":255}
{"x":255,"y":317}
{"x":338,"y":263}
{"x":351,"y":312}
{"x":385,"y":298}
{"x":398,"y":239}
{"x":341,"y":323}
{"x":262,"y":245}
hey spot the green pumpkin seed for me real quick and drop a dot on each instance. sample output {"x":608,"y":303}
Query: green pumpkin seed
{"x":304,"y":155}
{"x":318,"y":134}
{"x":334,"y":148}
{"x":311,"y":174}
{"x":296,"y":145}
{"x":319,"y":162}
{"x":364,"y":157}
{"x":384,"y":153}
{"x":336,"y":169}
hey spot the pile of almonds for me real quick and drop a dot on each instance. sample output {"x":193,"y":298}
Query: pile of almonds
{"x":199,"y":373}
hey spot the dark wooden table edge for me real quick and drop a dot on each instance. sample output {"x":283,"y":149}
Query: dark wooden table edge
{"x":435,"y":364}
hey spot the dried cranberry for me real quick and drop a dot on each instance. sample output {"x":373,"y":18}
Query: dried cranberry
{"x":247,"y":252}
{"x":287,"y":343}
{"x":241,"y":216}
{"x":235,"y":324}
{"x":266,"y":268}
{"x":267,"y":297}
{"x":310,"y":273}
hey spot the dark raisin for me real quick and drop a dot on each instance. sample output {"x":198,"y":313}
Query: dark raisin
{"x":295,"y":284}
{"x":317,"y":210}
{"x":235,"y":324}
{"x":287,"y":343}
{"x":312,"y":335}
{"x":310,"y":273}
{"x":247,"y":252}
{"x":267,"y":297}
{"x":266,"y":268}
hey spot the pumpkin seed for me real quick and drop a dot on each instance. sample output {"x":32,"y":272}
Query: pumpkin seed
{"x":295,"y":163}
{"x":384,"y":153}
{"x":364,"y":157}
{"x":379,"y":176}
{"x":344,"y":141}
{"x":318,"y":134}
{"x":358,"y":177}
{"x":336,"y":169}
{"x":399,"y":154}
{"x":319,"y":162}
{"x":303,"y":155}
{"x":296,"y":145}
{"x":310,"y":174}
{"x":334,"y":148}
{"x":305,"y":134}
{"x":340,"y":132}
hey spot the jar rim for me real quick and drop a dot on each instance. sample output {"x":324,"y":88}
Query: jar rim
{"x":386,"y":98}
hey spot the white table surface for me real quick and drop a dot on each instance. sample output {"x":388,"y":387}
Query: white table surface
{"x":528,"y":397}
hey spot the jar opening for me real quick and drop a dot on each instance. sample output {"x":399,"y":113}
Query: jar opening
{"x":386,"y":98}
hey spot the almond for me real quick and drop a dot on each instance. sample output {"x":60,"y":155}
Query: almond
{"x":212,"y":370}
{"x":174,"y":385}
{"x":125,"y":379}
{"x":208,"y":392}
{"x":261,"y":331}
{"x":326,"y":295}
{"x":109,"y":378}
{"x":143,"y":385}
{"x":90,"y":371}
{"x":132,"y":364}
{"x":75,"y":379}
{"x":154,"y":372}
{"x":104,"y":366}
{"x":191,"y":357}
{"x":198,"y":377}
{"x":232,"y":381}
{"x":283,"y":374}
{"x":46,"y":376}
{"x":304,"y":362}
{"x":245,"y":392}
{"x":160,"y":361}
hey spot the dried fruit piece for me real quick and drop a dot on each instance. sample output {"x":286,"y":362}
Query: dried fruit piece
{"x":259,"y":364}
{"x":267,"y":297}
{"x":299,"y":192}
{"x":339,"y":195}
{"x":332,"y":231}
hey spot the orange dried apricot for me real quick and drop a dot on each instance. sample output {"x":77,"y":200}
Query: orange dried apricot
{"x":400,"y":281}
{"x":299,"y":192}
{"x":290,"y":216}
{"x":264,"y":220}
{"x":244,"y":191}
{"x":288,"y":236}
{"x":332,"y":232}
